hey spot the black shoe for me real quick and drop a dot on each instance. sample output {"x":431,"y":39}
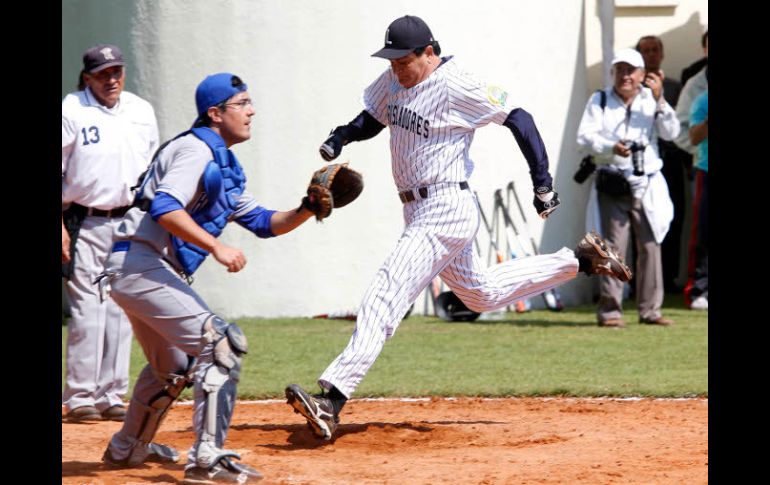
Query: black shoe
{"x":665,"y":322}
{"x":318,"y":411}
{"x":613,"y":323}
{"x":83,"y":413}
{"x":157,"y":453}
{"x":601,"y":258}
{"x":224,"y":471}
{"x":115,"y":413}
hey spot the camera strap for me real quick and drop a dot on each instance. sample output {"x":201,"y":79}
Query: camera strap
{"x":587,"y":165}
{"x":628,"y":122}
{"x":603,"y":104}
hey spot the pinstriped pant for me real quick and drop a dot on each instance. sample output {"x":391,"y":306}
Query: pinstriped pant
{"x":438,"y":240}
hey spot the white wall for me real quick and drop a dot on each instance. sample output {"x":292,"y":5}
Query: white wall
{"x":679,"y":24}
{"x":306,"y":63}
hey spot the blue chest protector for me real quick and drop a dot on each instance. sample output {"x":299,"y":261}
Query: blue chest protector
{"x":223,"y":182}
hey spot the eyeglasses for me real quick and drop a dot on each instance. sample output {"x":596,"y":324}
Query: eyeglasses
{"x":240,"y":104}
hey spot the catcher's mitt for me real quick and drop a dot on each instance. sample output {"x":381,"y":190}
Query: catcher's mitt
{"x":334,"y":185}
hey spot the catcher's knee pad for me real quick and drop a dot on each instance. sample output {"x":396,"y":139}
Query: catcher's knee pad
{"x":228,"y":342}
{"x":221,"y":378}
{"x":157,"y":408}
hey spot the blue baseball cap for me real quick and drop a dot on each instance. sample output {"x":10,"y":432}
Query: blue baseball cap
{"x":403,"y":36}
{"x":215,"y":89}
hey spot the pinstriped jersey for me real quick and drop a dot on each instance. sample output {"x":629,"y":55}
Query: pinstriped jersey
{"x":432,"y":124}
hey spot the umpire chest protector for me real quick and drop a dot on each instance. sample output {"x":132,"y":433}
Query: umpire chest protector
{"x":223,"y":182}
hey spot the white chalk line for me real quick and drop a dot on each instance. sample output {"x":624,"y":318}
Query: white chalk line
{"x":430,"y":399}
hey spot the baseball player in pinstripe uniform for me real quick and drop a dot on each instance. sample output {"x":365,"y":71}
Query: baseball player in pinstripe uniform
{"x":183,"y":205}
{"x":433,"y":108}
{"x":108,"y":138}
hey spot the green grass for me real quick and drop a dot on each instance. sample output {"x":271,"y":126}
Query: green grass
{"x":539,"y":353}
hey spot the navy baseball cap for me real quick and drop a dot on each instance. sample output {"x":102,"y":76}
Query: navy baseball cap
{"x":403,"y":36}
{"x":217,"y":88}
{"x":101,"y":57}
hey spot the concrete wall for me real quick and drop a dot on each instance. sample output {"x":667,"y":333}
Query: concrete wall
{"x":88,"y":22}
{"x":306,"y":63}
{"x":679,"y":24}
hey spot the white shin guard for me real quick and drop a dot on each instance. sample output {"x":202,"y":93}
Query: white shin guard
{"x":219,"y":386}
{"x":152,"y":416}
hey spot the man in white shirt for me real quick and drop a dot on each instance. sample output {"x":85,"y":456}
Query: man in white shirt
{"x":108,"y":138}
{"x":621,"y":133}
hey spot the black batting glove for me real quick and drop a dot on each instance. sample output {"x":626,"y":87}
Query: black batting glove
{"x":546,"y":201}
{"x":332,"y":147}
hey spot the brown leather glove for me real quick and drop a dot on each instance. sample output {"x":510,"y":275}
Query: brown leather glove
{"x":334,"y":185}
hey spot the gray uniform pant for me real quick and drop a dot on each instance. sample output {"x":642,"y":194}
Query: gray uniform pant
{"x":618,"y":215}
{"x":99,"y":335}
{"x":167,"y":316}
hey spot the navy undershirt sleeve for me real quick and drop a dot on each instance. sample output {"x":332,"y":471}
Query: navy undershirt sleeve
{"x":163,"y":203}
{"x":257,"y":221}
{"x":363,"y":127}
{"x":531,"y":145}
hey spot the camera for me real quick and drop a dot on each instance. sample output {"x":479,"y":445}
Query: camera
{"x":637,"y":156}
{"x":587,"y":167}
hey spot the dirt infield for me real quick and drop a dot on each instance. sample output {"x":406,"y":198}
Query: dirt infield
{"x":484,"y":441}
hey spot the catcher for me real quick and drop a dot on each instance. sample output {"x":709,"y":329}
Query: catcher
{"x":193,"y":188}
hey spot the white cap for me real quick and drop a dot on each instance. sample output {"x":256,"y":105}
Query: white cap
{"x":630,"y":56}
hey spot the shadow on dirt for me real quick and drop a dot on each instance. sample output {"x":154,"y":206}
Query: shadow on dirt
{"x":301,"y":436}
{"x":92,"y":469}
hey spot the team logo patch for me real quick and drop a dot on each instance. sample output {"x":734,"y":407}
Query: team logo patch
{"x":496,"y":95}
{"x":107,"y":53}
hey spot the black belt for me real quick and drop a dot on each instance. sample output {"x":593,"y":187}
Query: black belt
{"x":408,"y":195}
{"x":116,"y":212}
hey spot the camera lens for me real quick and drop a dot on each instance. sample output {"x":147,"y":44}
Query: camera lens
{"x":587,"y":167}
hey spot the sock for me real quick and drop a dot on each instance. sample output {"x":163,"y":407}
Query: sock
{"x":337,"y":398}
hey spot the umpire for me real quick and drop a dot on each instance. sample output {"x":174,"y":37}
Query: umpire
{"x":108,"y":136}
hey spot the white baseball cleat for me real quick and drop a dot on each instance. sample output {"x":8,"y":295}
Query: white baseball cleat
{"x":700,"y":303}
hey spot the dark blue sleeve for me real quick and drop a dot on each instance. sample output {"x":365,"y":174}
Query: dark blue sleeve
{"x":531,"y":145}
{"x":363,"y":127}
{"x":257,"y":221}
{"x":163,"y":203}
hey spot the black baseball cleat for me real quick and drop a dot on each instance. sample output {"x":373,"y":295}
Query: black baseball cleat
{"x":598,"y":258}
{"x":318,"y":411}
{"x":224,"y":471}
{"x":156,"y":453}
{"x":83,"y":413}
{"x":115,"y":413}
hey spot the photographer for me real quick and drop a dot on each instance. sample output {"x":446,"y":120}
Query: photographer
{"x":620,"y":128}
